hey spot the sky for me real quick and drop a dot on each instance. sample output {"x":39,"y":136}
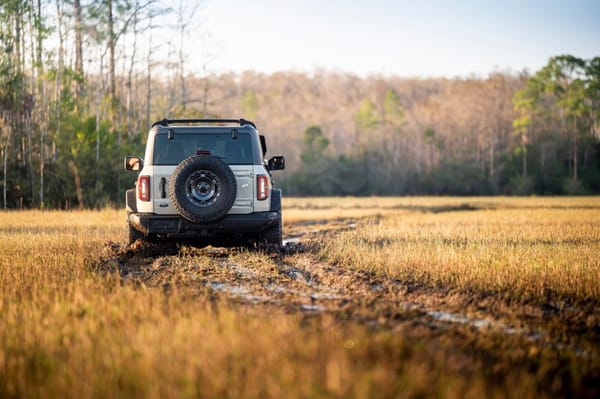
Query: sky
{"x":427,"y":38}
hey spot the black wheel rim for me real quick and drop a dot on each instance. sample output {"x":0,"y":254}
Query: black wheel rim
{"x":202,"y":188}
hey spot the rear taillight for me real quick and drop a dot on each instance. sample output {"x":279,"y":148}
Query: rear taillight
{"x":262,"y":187}
{"x":143,"y":187}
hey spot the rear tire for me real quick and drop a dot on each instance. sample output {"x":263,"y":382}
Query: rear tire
{"x":134,"y":234}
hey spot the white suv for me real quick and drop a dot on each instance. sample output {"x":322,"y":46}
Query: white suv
{"x":206,"y":180}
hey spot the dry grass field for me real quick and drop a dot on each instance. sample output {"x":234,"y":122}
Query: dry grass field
{"x":371,"y":298}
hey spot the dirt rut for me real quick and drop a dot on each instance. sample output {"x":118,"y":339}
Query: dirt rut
{"x":295,"y":280}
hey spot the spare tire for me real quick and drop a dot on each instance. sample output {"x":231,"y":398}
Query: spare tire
{"x":202,"y":189}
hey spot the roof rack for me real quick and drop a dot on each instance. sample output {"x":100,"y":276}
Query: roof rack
{"x":167,"y":122}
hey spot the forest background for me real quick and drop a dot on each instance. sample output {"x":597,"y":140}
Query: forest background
{"x":82,"y":81}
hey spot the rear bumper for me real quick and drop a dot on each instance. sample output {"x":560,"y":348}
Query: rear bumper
{"x":174,"y":225}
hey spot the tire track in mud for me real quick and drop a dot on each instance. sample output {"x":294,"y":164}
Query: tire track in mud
{"x":296,"y":281}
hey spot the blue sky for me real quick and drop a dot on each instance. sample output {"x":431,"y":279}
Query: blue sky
{"x":405,"y":38}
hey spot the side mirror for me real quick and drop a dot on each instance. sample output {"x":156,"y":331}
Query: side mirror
{"x":133,"y":163}
{"x":276,"y":163}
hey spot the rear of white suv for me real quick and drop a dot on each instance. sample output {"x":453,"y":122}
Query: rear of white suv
{"x":207,"y":180}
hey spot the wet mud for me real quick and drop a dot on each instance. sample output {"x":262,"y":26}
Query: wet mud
{"x":297,"y":281}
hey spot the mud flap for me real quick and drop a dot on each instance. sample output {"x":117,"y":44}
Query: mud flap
{"x":130,"y":201}
{"x":275,"y":200}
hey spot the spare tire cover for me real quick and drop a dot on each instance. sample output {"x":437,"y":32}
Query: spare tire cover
{"x":202,"y":189}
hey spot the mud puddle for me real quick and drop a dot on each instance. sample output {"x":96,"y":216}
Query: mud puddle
{"x":296,"y":281}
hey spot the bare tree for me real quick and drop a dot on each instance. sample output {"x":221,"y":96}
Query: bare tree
{"x":185,"y":16}
{"x":78,"y":46}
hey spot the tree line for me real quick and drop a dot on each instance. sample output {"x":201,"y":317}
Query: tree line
{"x":82,"y":81}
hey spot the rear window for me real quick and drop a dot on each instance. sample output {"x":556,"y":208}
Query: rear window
{"x":231,"y":151}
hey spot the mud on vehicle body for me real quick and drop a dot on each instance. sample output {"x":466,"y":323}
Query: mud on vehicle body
{"x":205,"y":180}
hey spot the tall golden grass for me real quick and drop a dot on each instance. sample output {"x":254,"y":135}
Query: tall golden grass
{"x":68,"y":331}
{"x":530,"y":252}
